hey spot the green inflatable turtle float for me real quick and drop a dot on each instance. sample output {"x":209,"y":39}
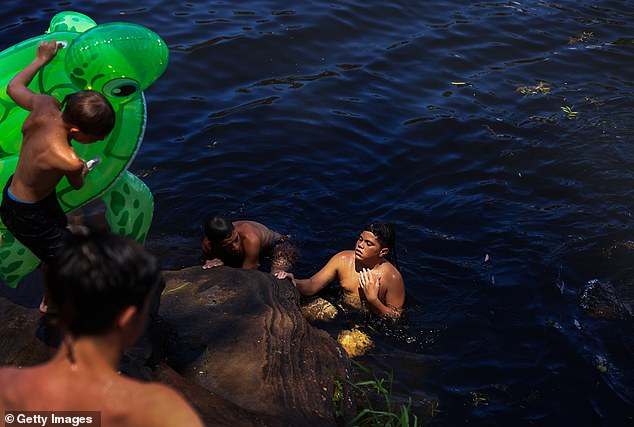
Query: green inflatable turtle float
{"x":119,"y":60}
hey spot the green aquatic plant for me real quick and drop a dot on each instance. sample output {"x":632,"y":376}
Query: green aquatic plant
{"x":338,"y":396}
{"x":479,"y":399}
{"x":433,"y":408}
{"x":570,"y":113}
{"x":379,"y":408}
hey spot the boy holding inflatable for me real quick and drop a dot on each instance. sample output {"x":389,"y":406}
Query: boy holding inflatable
{"x":29,"y":208}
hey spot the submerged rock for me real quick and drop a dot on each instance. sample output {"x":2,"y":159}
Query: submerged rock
{"x":602,"y":300}
{"x":325,"y":315}
{"x":355,"y":342}
{"x":319,"y":310}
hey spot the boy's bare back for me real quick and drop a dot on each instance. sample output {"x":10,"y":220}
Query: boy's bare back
{"x":46,"y":155}
{"x":258,"y":233}
{"x":119,"y":400}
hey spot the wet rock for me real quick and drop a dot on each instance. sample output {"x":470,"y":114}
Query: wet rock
{"x":355,"y":342}
{"x":339,"y":322}
{"x":215,"y":410}
{"x":603,"y":300}
{"x":240,"y":335}
{"x":26,"y":337}
{"x":319,"y":310}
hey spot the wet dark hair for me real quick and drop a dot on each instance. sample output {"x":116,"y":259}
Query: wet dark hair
{"x":90,"y":111}
{"x":217,"y":228}
{"x":95,"y":276}
{"x":386,"y":236}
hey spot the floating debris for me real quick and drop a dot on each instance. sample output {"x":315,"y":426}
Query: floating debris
{"x":541,"y":87}
{"x":583,"y":37}
{"x":479,"y":399}
{"x":601,"y":363}
{"x":594,"y":101}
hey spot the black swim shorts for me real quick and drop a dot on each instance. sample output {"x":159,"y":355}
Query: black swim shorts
{"x":40,"y":226}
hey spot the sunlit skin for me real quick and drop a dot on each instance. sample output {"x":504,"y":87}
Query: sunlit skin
{"x":46,"y":155}
{"x":83,"y":376}
{"x":364,"y":275}
{"x":242,"y":249}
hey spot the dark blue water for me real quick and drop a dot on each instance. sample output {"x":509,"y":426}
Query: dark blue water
{"x":318,"y":117}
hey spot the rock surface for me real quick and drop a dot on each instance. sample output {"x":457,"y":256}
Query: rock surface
{"x":232,"y":341}
{"x":602,"y":300}
{"x":241,"y":335}
{"x":26,"y":337}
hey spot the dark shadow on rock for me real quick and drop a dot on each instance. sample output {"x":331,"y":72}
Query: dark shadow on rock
{"x":27,"y":337}
{"x":29,"y":291}
{"x":214,"y":409}
{"x":240,"y":335}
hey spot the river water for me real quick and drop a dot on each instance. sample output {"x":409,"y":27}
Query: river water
{"x":498,"y":137}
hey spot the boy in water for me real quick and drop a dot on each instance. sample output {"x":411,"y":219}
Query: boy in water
{"x":365,"y":274}
{"x":241,"y":244}
{"x":29,"y":208}
{"x":102,"y":284}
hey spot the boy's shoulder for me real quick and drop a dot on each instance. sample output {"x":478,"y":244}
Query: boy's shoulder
{"x":44,"y":113}
{"x":45,"y":104}
{"x":391,"y":273}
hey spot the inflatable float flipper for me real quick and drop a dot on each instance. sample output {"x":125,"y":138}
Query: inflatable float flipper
{"x":129,"y":192}
{"x":119,"y":60}
{"x":17,"y":260}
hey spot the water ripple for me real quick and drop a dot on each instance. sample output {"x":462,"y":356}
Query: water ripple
{"x":444,"y":117}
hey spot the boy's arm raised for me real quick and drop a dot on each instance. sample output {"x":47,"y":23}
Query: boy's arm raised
{"x":18,"y":88}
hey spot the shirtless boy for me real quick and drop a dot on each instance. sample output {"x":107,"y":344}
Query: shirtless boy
{"x":242,"y":243}
{"x":365,"y":275}
{"x":102,"y":284}
{"x":29,"y":205}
